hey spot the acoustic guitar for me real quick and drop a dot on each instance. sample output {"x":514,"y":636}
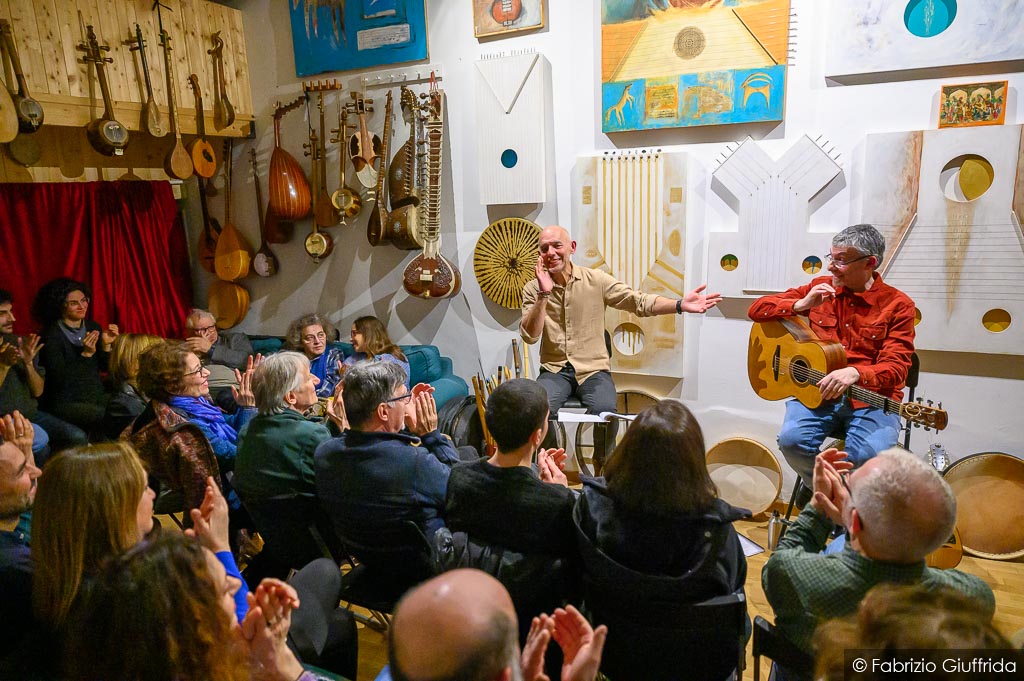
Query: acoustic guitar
{"x":178,"y":162}
{"x":947,"y":556}
{"x":785,"y":359}
{"x":151,"y":121}
{"x":106,"y":134}
{"x":223,"y":111}
{"x":505,"y":12}
{"x":28,"y":110}
{"x":376,"y":226}
{"x":200,"y":150}
{"x":430,"y":274}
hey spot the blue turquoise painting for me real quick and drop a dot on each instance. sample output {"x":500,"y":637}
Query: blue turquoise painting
{"x":679,"y":63}
{"x":340,"y":35}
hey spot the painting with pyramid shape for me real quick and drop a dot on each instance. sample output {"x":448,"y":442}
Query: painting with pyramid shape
{"x":692,"y":62}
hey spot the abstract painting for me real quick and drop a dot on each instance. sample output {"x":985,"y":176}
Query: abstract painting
{"x":680,"y":63}
{"x":962,"y":106}
{"x":344,"y":35}
{"x":868,"y":38}
{"x":500,"y":17}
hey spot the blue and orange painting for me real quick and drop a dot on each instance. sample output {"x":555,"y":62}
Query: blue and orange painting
{"x":680,"y":63}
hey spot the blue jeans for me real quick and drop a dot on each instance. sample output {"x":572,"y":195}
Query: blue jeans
{"x":867,"y":432}
{"x":61,"y":433}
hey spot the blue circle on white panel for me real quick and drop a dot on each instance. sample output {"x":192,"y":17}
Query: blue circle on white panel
{"x":927,"y":18}
{"x":509,"y":158}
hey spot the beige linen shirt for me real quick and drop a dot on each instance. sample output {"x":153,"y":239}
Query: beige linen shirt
{"x":574,"y":324}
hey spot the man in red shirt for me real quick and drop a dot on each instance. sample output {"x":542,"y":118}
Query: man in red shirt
{"x":875,"y":324}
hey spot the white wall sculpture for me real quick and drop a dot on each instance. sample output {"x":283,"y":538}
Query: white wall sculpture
{"x":629,"y":219}
{"x":513,"y":96}
{"x":773,"y":250}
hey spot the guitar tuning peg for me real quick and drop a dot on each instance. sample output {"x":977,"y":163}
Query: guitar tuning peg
{"x":920,"y":400}
{"x":940,"y":405}
{"x":930,"y":403}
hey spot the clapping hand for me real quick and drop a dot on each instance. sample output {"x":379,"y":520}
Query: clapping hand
{"x":336,"y":408}
{"x":551,"y":466}
{"x":243,"y":394}
{"x":264,"y":631}
{"x":830,"y":495}
{"x":89,"y":343}
{"x":425,"y":409}
{"x":210,"y":520}
{"x":581,"y":644}
{"x":531,"y":661}
{"x":109,"y":335}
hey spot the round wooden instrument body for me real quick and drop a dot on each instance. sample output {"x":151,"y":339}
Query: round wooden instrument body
{"x":25,"y":150}
{"x":233,"y":255}
{"x":989,"y":489}
{"x":228,"y":303}
{"x":319,"y":245}
{"x":746,"y":473}
{"x":505,"y":258}
{"x":107,"y":137}
{"x":30,"y":114}
{"x":290,"y":197}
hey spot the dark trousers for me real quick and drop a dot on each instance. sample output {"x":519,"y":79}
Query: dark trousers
{"x":597,"y":394}
{"x":61,"y":433}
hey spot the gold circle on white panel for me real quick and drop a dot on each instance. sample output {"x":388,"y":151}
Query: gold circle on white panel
{"x":966,"y":178}
{"x":628,"y":339}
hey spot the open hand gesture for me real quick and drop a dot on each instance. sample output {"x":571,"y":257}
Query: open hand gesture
{"x":8,"y":354}
{"x":581,"y":644}
{"x":700,"y":302}
{"x":28,"y":348}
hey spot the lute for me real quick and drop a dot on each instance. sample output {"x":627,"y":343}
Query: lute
{"x":430,"y":275}
{"x":233,"y":256}
{"x":151,"y":121}
{"x":223,"y":111}
{"x":376,"y":231}
{"x":200,"y":150}
{"x":178,"y":162}
{"x":105,"y":134}
{"x":28,"y":110}
{"x":364,"y":147}
{"x":264,"y":262}
{"x":211,"y":232}
{"x":785,"y":359}
{"x":324,"y":212}
{"x":289,"y":189}
{"x":345,"y":199}
{"x":317,"y":244}
{"x":406,"y":179}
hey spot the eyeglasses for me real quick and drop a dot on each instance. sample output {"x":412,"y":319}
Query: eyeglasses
{"x":843,"y":264}
{"x":204,"y":329}
{"x":193,"y":373}
{"x":844,"y":478}
{"x":315,"y":337}
{"x":401,"y":398}
{"x":81,"y":302}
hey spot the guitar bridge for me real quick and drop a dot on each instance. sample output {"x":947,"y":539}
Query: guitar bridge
{"x":775,"y":361}
{"x":426,"y":275}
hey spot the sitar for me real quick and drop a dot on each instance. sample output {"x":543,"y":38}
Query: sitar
{"x":105,"y":134}
{"x":150,"y":120}
{"x":28,"y":110}
{"x":406,"y":178}
{"x":786,"y":359}
{"x":178,"y":162}
{"x":376,"y":226}
{"x":430,"y":274}
{"x":200,"y":150}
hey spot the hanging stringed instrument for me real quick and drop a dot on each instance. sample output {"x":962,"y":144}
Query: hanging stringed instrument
{"x":376,"y":226}
{"x":289,"y":188}
{"x":264,"y":262}
{"x":324,"y":212}
{"x":200,"y":150}
{"x":150,"y":121}
{"x":505,"y":12}
{"x":105,"y":134}
{"x":8,"y":114}
{"x":430,"y":274}
{"x":345,"y":199}
{"x":406,"y":179}
{"x":318,"y":244}
{"x":28,"y":110}
{"x":223,"y":111}
{"x":211,"y":232}
{"x":364,"y":147}
{"x":178,"y":162}
{"x":233,"y":256}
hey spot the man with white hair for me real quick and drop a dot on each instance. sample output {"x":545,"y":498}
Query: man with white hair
{"x":221,"y":354}
{"x":896,"y":509}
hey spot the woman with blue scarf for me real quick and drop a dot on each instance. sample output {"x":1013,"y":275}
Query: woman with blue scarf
{"x":311,"y":335}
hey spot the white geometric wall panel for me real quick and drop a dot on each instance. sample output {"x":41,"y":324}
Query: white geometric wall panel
{"x":772,"y":250}
{"x":949,"y":203}
{"x":629,"y":219}
{"x":512,"y":99}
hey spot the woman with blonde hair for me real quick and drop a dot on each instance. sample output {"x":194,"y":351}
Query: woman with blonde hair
{"x":370,"y":341}
{"x":312,"y":335}
{"x":127,"y":401}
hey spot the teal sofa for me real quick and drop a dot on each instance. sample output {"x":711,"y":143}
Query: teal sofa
{"x":426,"y":364}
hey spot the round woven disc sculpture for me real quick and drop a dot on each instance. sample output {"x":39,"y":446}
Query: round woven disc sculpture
{"x":505,"y":259}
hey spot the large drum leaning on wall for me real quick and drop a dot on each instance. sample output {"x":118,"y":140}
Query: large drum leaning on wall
{"x":746,"y":473}
{"x":989,"y":489}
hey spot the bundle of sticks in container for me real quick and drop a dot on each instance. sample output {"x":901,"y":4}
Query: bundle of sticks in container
{"x":483,"y":386}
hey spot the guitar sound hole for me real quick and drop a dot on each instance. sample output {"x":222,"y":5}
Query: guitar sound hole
{"x":798,"y":370}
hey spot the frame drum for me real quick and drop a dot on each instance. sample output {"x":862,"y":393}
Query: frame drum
{"x":746,"y":473}
{"x":989,"y":489}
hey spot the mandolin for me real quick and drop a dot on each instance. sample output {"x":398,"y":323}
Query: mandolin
{"x":345,"y":199}
{"x":318,"y":244}
{"x":430,"y":274}
{"x":505,"y":12}
{"x":223,"y":112}
{"x":264,"y":262}
{"x":406,"y":178}
{"x":233,"y":256}
{"x":105,"y":134}
{"x":324,"y":212}
{"x":28,"y":110}
{"x":150,"y":121}
{"x":211,"y":232}
{"x":289,"y":189}
{"x":364,"y":147}
{"x":200,"y":150}
{"x":376,"y":231}
{"x":785,"y":359}
{"x":178,"y":162}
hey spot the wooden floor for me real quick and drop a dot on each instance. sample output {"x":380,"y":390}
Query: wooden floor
{"x":1005,"y":578}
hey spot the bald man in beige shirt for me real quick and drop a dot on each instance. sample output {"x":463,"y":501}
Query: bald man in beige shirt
{"x":563,"y":308}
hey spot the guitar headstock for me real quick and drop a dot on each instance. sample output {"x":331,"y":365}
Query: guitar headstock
{"x":925,"y":415}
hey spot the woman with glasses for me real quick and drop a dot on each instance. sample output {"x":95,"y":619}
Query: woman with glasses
{"x":311,"y":335}
{"x":370,"y":341}
{"x":74,"y":350}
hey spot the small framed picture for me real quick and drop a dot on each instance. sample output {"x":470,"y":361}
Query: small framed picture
{"x":962,"y":106}
{"x":501,"y":17}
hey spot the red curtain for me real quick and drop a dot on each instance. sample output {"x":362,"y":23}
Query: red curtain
{"x":124,"y":239}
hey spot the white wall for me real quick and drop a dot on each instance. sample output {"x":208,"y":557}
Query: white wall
{"x":982,"y":393}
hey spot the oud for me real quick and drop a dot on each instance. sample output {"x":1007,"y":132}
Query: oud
{"x":406,"y":177}
{"x":150,"y":120}
{"x":105,"y":134}
{"x":289,"y":188}
{"x":430,"y":274}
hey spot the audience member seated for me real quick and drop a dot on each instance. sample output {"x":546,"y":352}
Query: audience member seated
{"x":221,"y":353}
{"x":914,"y":619}
{"x":896,"y":509}
{"x":370,"y":341}
{"x":462,"y":625}
{"x":652,"y":532}
{"x":502,"y":503}
{"x":164,"y":610}
{"x":74,"y":351}
{"x":18,"y":476}
{"x":127,"y":402}
{"x":310,"y":335}
{"x":372,"y":478}
{"x":21,"y":384}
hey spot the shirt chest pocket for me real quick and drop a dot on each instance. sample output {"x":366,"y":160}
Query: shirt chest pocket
{"x":824,"y":325}
{"x":871,"y":337}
